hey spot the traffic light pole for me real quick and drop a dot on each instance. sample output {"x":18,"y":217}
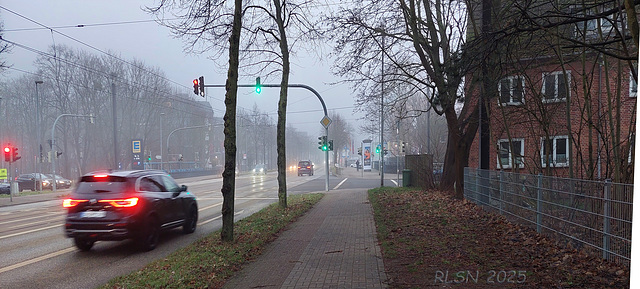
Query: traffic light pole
{"x":53,"y":141}
{"x":324,"y":108}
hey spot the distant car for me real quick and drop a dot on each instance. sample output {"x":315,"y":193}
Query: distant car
{"x":353,"y":165}
{"x":119,"y":205}
{"x":5,"y":188}
{"x":305,"y":168}
{"x":61,"y":183}
{"x":28,"y":181}
{"x":259,"y":170}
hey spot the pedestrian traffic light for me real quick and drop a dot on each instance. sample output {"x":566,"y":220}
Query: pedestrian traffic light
{"x":386,"y":151}
{"x":330,"y":145}
{"x":15,"y":157}
{"x":7,"y":154}
{"x":201,"y":85}
{"x":196,"y":87}
{"x":258,"y":85}
{"x":378,"y":149}
{"x":322,"y":143}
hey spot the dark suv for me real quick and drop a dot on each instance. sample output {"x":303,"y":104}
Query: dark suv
{"x":305,"y":167}
{"x":118,"y":205}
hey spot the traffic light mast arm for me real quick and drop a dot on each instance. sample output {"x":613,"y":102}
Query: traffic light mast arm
{"x":324,"y":108}
{"x":53,"y":140}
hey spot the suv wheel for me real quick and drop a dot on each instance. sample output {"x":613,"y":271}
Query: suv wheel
{"x":191,"y":221}
{"x":84,"y":244}
{"x":148,"y":240}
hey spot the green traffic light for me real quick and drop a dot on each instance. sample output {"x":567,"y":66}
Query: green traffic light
{"x":324,"y":148}
{"x":258,"y":85}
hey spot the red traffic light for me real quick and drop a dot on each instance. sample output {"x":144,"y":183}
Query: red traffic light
{"x":196,"y":87}
{"x":7,"y":154}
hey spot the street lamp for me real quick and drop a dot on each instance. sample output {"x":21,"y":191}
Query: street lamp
{"x":161,"y":147}
{"x":38,"y":139}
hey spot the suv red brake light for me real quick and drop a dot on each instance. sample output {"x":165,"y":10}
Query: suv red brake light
{"x":69,"y":203}
{"x":122,"y":203}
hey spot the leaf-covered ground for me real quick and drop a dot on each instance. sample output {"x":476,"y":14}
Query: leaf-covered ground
{"x":430,"y":240}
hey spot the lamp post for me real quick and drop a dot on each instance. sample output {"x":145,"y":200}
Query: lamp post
{"x":38,"y":140}
{"x":161,"y":147}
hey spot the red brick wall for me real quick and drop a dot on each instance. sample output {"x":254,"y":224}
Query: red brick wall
{"x":589,"y":93}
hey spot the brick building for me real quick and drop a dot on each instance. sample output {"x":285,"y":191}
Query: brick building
{"x":564,"y":114}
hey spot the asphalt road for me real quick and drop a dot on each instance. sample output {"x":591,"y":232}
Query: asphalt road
{"x":35,"y":253}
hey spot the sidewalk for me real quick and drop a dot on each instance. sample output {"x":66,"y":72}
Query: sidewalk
{"x":333,"y":246}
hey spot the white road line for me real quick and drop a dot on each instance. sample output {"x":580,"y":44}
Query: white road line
{"x":38,"y":222}
{"x":30,"y":231}
{"x":24,"y":219}
{"x":209,"y":207}
{"x":209,"y":221}
{"x":340,"y":184}
{"x":38,"y":259}
{"x":218,"y":217}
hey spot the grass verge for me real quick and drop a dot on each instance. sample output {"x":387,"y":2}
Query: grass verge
{"x":431,"y":240}
{"x":208,"y":262}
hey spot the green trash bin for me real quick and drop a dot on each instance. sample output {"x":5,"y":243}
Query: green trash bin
{"x":406,"y":178}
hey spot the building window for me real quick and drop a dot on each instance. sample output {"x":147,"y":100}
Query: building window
{"x":555,"y":151}
{"x":511,"y":90}
{"x":507,"y":157}
{"x":555,"y":86}
{"x":594,"y":26}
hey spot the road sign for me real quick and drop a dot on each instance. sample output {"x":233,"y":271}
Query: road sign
{"x":325,"y":121}
{"x":3,"y":174}
{"x":136,"y":146}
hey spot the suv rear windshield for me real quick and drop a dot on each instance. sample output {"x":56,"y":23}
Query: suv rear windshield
{"x":105,"y":184}
{"x":304,"y":164}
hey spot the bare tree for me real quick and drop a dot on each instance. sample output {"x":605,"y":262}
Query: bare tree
{"x":424,"y":47}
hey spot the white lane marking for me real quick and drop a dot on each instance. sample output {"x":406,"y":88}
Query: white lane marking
{"x":340,"y":184}
{"x":38,"y":222}
{"x":209,"y":207}
{"x":218,"y":217}
{"x":24,"y":219}
{"x":209,"y":221}
{"x":30,"y":231}
{"x":37,"y":259}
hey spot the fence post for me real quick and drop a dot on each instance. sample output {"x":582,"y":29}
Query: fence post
{"x":539,"y":205}
{"x":501,"y":190}
{"x":607,"y":212}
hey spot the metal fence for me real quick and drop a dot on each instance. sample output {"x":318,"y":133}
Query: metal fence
{"x":589,"y":215}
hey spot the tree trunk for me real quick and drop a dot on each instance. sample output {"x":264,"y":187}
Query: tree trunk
{"x":230,"y":101}
{"x":282,"y":110}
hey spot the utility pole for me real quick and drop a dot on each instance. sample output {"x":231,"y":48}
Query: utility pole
{"x":115,"y":121}
{"x":382,"y":116}
{"x":39,"y":141}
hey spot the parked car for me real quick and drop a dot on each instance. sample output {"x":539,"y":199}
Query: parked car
{"x":28,"y":182}
{"x":305,"y":167}
{"x":61,"y":183}
{"x":119,"y":205}
{"x":5,"y":188}
{"x":260,"y":169}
